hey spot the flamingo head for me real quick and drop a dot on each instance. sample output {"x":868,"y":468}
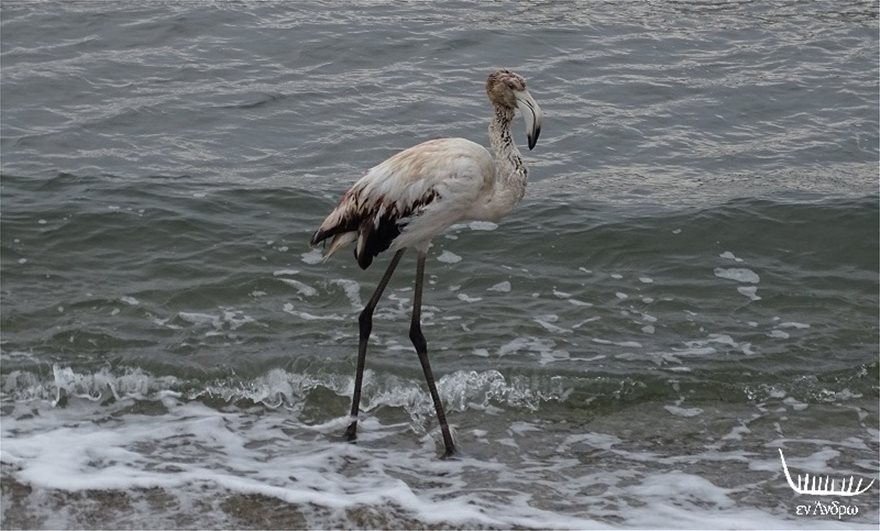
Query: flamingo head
{"x":508,"y":90}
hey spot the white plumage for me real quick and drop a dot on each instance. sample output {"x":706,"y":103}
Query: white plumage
{"x":422,"y":190}
{"x":418,"y":193}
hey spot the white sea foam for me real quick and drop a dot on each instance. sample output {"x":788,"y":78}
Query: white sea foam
{"x":586,"y":321}
{"x":352,"y":290}
{"x":301,"y":287}
{"x":792,"y":324}
{"x":285,"y":272}
{"x":647,"y":317}
{"x":234,"y":319}
{"x":683,"y":411}
{"x":749,"y":291}
{"x":561,"y":294}
{"x":546,"y":321}
{"x":200,"y":318}
{"x":312,"y":257}
{"x":730,"y":256}
{"x":739,"y":274}
{"x":501,"y":287}
{"x":794,"y":403}
{"x":628,"y":344}
{"x":723,"y":339}
{"x":199,"y":456}
{"x":306,"y":316}
{"x":702,"y":347}
{"x":448,"y":257}
{"x":544,"y":349}
{"x":482,"y":225}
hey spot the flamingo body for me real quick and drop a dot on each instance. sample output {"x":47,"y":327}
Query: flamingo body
{"x":410,"y":198}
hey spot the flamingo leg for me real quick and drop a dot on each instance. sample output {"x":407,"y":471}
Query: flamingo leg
{"x":365,"y":323}
{"x":418,"y":340}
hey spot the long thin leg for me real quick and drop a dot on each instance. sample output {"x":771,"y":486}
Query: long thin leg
{"x":418,"y":340}
{"x":365,"y":322}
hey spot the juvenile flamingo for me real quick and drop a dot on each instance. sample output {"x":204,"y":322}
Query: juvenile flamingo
{"x":416,"y":195}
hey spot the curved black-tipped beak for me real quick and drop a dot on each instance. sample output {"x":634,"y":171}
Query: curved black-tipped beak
{"x":533,"y":137}
{"x":532,"y":115}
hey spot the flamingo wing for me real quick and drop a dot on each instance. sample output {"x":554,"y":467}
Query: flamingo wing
{"x":409,"y":198}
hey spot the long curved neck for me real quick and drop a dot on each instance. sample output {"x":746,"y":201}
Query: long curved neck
{"x":510,"y":171}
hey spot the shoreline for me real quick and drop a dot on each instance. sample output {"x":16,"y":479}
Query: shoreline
{"x":205,"y":508}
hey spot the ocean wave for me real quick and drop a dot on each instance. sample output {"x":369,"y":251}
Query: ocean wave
{"x":461,"y":391}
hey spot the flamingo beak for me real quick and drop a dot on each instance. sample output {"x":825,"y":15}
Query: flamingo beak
{"x":532,"y":114}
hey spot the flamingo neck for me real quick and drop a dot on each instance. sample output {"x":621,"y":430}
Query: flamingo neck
{"x":510,"y":171}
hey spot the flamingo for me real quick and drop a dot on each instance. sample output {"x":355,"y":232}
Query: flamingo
{"x":418,"y":193}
